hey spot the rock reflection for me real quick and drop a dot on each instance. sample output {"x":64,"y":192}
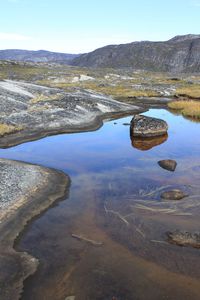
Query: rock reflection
{"x":145,"y":144}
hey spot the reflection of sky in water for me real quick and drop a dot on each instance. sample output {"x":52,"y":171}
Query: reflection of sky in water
{"x":106,"y":169}
{"x":109,"y":149}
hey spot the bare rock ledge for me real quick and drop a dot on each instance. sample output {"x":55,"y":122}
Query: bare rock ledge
{"x":25,"y":191}
{"x":30,"y":111}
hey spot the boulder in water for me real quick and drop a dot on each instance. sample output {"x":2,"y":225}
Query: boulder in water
{"x":142,"y":126}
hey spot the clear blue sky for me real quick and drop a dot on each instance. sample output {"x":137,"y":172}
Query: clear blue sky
{"x":77,"y":26}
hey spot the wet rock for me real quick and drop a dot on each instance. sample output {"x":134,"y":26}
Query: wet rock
{"x":168,"y":164}
{"x":173,"y":195}
{"x":184,"y":238}
{"x":148,"y":143}
{"x":142,"y":126}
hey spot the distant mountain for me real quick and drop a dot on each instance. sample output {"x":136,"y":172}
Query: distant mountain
{"x":179,"y":54}
{"x":36,"y":56}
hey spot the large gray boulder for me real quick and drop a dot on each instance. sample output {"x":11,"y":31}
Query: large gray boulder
{"x":145,"y":127}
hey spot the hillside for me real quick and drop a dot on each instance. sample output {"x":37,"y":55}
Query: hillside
{"x":35,"y":56}
{"x":179,"y":54}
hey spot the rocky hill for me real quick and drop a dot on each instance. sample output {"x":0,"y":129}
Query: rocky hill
{"x":179,"y":54}
{"x":35,"y":56}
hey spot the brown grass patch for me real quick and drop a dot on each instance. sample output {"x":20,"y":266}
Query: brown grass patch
{"x":191,"y":91}
{"x":43,"y":98}
{"x":188,"y":108}
{"x":7,"y":129}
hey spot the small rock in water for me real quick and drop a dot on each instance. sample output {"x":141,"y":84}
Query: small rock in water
{"x":142,"y":126}
{"x":168,"y":164}
{"x":126,"y":124}
{"x":184,"y":238}
{"x":173,"y":195}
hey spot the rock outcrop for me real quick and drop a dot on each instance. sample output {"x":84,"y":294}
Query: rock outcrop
{"x":30,"y":111}
{"x":25,"y":191}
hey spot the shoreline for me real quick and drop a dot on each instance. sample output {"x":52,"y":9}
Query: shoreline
{"x":24,"y":136}
{"x":17,"y":266}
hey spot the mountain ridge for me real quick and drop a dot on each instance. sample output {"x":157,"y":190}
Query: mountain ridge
{"x":179,"y":54}
{"x":35,"y":55}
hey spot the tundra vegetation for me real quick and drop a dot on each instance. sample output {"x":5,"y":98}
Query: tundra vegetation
{"x":126,"y":85}
{"x":119,"y":83}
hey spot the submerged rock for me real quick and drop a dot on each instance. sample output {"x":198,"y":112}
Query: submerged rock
{"x":173,"y":195}
{"x":184,"y":238}
{"x":142,"y":126}
{"x":168,"y":164}
{"x":148,"y":143}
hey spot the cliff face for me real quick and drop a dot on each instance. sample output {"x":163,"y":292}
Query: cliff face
{"x":180,"y":54}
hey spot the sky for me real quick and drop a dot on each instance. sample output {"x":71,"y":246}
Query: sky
{"x":77,"y":26}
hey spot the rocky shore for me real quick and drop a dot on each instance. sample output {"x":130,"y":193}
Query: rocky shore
{"x":30,"y":111}
{"x":25,"y":191}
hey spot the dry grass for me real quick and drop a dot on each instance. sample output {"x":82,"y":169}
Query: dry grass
{"x":120,"y":91}
{"x":7,"y":129}
{"x":188,"y":108}
{"x":115,"y":90}
{"x":190,"y":91}
{"x":43,"y":98}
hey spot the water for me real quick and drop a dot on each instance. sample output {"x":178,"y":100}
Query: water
{"x":115,"y":199}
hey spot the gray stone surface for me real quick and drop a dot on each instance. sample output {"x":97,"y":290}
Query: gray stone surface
{"x":17,"y":182}
{"x":145,"y":127}
{"x":25,"y":191}
{"x":42,"y":110}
